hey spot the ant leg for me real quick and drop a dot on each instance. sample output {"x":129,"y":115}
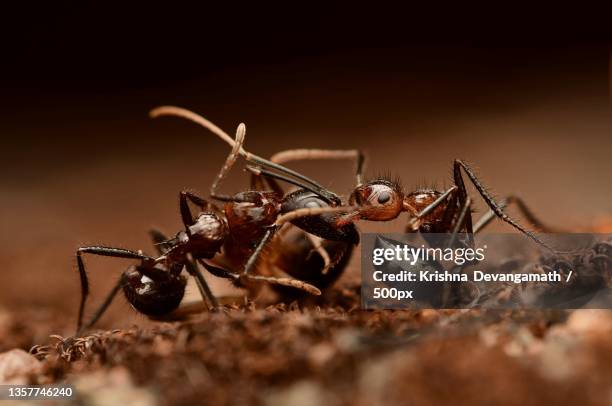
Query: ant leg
{"x":416,"y":217}
{"x":236,"y":278}
{"x":493,"y":205}
{"x":253,"y":258}
{"x":319,"y":249}
{"x":102,"y":251}
{"x":219,"y":272}
{"x":311,"y":211}
{"x":100,"y":311}
{"x":520,"y":204}
{"x":186,"y":214}
{"x":207,"y":295}
{"x":290,"y":282}
{"x":319,"y":191}
{"x":461,"y":220}
{"x":160,"y":241}
{"x":229,"y":163}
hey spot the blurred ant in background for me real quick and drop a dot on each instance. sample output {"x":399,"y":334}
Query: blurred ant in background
{"x":156,"y":286}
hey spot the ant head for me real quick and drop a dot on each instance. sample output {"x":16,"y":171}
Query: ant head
{"x":378,"y":200}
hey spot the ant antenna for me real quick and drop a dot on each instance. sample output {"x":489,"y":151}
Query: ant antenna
{"x":324,"y":193}
{"x":298,"y":154}
{"x":231,"y":158}
{"x":196,"y":118}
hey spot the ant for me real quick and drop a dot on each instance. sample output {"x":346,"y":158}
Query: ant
{"x":292,"y":252}
{"x":439,"y":216}
{"x":156,"y":286}
{"x":380,"y":199}
{"x":429,"y":210}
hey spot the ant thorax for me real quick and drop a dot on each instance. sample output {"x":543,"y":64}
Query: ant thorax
{"x":418,"y":200}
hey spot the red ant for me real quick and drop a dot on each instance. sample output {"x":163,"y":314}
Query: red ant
{"x":292,"y":253}
{"x":156,"y":286}
{"x":430,"y":211}
{"x":381,"y":199}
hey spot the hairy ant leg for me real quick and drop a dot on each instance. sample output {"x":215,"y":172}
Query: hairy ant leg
{"x":493,"y":205}
{"x":262,"y":243}
{"x":239,"y":278}
{"x":186,"y":214}
{"x":101,"y":251}
{"x":101,"y":309}
{"x":522,"y":207}
{"x":207,"y":295}
{"x":461,"y":221}
{"x":413,"y":224}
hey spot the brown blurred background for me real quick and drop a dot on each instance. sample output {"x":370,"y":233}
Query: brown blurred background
{"x":523,"y":94}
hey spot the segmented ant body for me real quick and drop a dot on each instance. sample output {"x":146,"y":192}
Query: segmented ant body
{"x":235,"y":236}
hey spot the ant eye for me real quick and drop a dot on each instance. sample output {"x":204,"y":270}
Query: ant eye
{"x":384,"y":197}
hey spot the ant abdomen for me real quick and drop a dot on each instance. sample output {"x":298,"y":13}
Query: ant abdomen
{"x":322,"y":225}
{"x":296,"y":255}
{"x":157,"y":294}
